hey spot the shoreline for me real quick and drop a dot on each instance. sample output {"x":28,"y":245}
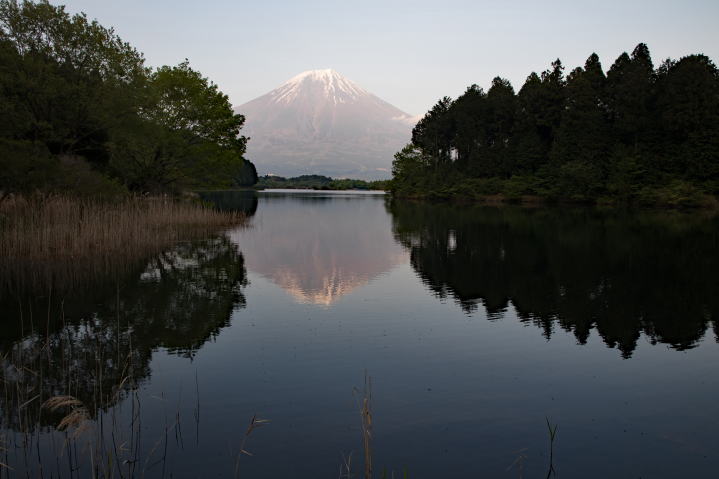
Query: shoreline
{"x":707,"y":202}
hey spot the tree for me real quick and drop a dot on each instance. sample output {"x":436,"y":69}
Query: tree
{"x":530,"y":149}
{"x":409,"y":168}
{"x":434,"y":133}
{"x":582,"y":135}
{"x":192,"y":136}
{"x":688,"y":102}
{"x":635,"y":134}
{"x":72,"y":92}
{"x":67,"y":80}
{"x":501,"y":110}
{"x":630,"y":82}
{"x":247,"y":175}
{"x":470,"y":118}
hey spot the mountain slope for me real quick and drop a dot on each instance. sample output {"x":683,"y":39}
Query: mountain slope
{"x":319,"y":122}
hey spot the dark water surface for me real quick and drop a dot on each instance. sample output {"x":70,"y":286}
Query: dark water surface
{"x":475,"y":324}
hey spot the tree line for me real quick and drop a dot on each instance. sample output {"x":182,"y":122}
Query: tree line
{"x":319,"y":182}
{"x":638,"y":133}
{"x":80,"y":111}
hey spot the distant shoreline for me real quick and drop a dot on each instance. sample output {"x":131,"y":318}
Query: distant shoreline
{"x":320,"y":182}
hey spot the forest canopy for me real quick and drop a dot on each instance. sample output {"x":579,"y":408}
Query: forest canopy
{"x":80,"y":111}
{"x":638,"y":133}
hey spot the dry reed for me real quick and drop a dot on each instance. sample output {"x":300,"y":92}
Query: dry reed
{"x":56,"y":243}
{"x":70,"y":423}
{"x":52,"y":245}
{"x":255,"y":423}
{"x":365,"y":410}
{"x":76,"y":417}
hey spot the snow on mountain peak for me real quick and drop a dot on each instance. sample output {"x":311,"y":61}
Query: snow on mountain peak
{"x":319,"y":122}
{"x":335,"y":87}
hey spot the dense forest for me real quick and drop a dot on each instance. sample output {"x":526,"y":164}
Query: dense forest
{"x":80,"y":111}
{"x":639,"y":133}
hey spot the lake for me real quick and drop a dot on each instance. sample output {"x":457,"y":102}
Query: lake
{"x":477,"y":325}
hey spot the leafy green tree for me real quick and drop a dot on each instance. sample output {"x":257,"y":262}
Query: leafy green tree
{"x":409,"y":169}
{"x":189,"y":103}
{"x":67,"y":80}
{"x":247,"y":176}
{"x":71,"y":91}
{"x":192,"y":135}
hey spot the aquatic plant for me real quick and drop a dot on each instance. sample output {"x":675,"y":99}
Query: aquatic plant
{"x":54,"y":244}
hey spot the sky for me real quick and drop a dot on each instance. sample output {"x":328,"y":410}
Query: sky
{"x":409,"y":53}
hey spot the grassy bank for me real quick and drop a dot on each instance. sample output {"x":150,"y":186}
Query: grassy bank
{"x":51,"y":243}
{"x":534,"y":191}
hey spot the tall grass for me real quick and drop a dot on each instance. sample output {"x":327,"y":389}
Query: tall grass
{"x":85,"y":418}
{"x":70,"y":422}
{"x":51,"y":243}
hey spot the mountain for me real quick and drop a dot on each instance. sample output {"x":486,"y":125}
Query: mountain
{"x":319,"y":122}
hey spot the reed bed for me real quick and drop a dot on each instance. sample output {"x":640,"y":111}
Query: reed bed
{"x":51,"y":243}
{"x":70,"y":408}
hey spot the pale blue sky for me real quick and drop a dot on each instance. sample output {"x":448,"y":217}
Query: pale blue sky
{"x":409,"y":53}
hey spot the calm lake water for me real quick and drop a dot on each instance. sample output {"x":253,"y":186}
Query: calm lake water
{"x":476,"y":324}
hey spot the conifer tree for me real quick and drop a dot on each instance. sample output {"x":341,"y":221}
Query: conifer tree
{"x":501,"y":111}
{"x":688,"y":103}
{"x":582,"y":136}
{"x":630,"y":83}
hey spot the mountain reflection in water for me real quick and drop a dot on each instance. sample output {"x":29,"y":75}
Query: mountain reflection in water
{"x":313,"y":247}
{"x":572,"y":269}
{"x":195,"y":341}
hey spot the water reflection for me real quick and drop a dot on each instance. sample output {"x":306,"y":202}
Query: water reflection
{"x":623,"y":274}
{"x":439,"y":374}
{"x":230,"y":200}
{"x":311,"y":245}
{"x":87,"y":345}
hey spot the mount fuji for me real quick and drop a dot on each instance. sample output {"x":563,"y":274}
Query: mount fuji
{"x":319,"y":122}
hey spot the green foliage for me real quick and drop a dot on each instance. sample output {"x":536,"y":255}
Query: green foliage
{"x":71,"y":88}
{"x":637,"y":134}
{"x":186,"y":135}
{"x":39,"y":170}
{"x":319,"y":182}
{"x":299,"y":182}
{"x":24,"y":160}
{"x":247,"y":175}
{"x":351,"y":184}
{"x":577,"y":180}
{"x":677,"y":193}
{"x":65,"y":81}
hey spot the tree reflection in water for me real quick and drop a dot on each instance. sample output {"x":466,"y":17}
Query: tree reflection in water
{"x":98,"y":346}
{"x":621,"y":273}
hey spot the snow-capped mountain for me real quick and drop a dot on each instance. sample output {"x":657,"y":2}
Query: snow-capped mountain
{"x":319,"y":122}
